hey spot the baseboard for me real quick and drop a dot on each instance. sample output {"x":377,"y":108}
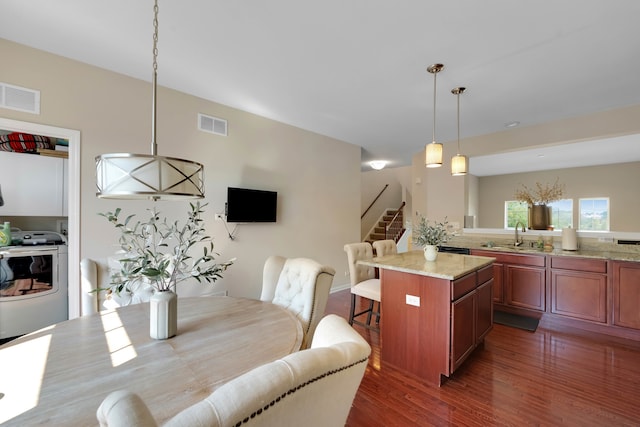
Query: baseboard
{"x":339,"y":288}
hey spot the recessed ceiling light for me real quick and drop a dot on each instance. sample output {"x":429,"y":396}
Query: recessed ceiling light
{"x":378,"y":164}
{"x":511,"y":124}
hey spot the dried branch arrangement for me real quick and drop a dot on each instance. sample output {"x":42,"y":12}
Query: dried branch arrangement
{"x":541,"y":194}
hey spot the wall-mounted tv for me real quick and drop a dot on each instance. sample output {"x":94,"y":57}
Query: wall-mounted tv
{"x":247,"y":205}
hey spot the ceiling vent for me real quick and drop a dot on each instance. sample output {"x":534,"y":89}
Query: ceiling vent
{"x":212,"y":124}
{"x":19,"y":98}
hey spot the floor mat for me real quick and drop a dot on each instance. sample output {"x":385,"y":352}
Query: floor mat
{"x":515,"y":321}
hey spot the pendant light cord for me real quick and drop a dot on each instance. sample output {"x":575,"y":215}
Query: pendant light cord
{"x":435,"y":75}
{"x":154,"y":78}
{"x":458,"y":96}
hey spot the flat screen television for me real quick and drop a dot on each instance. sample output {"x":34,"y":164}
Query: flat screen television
{"x":247,"y":205}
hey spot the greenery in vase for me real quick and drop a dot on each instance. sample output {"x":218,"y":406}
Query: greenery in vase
{"x":426,"y":234}
{"x":157,"y":251}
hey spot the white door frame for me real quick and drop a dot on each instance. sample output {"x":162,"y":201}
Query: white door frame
{"x":73,"y":188}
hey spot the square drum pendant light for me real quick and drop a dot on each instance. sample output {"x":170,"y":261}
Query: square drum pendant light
{"x":433,"y":151}
{"x":143,"y":176}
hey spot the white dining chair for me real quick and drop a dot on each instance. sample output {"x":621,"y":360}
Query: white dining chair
{"x":384,"y":247}
{"x":364,"y":283}
{"x":312,"y":388}
{"x":302,"y":286}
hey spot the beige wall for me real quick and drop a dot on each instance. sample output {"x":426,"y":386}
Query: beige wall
{"x":317,"y":178}
{"x":618,"y":182}
{"x":439,"y":194}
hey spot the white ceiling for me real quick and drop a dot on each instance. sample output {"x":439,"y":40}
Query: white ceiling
{"x":355,"y":70}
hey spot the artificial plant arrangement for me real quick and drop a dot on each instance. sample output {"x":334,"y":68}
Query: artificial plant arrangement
{"x":541,"y":194}
{"x":156,"y":251}
{"x":426,"y":234}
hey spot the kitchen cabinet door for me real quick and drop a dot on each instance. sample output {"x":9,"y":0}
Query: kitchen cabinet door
{"x":463,"y":328}
{"x":579,"y":288}
{"x":31,"y":185}
{"x":484,"y":312}
{"x":626,"y":294}
{"x":525,"y":287}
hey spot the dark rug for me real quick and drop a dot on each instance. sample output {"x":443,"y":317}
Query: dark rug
{"x":515,"y":321}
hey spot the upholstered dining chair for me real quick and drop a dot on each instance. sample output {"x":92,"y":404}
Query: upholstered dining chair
{"x":302,"y":286}
{"x":313,"y":388}
{"x":364,"y":283}
{"x":384,"y":247}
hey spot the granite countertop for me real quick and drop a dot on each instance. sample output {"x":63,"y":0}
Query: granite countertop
{"x":607,"y":255}
{"x":447,"y":266}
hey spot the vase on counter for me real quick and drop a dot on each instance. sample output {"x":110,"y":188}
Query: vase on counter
{"x":539,"y":217}
{"x":163,"y":315}
{"x":430,"y":252}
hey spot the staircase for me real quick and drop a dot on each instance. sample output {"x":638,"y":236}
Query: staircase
{"x":390,"y":226}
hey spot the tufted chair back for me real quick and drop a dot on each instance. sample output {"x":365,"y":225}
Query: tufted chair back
{"x":311,"y":388}
{"x":356,"y":252}
{"x":302,"y":287}
{"x":385,"y":247}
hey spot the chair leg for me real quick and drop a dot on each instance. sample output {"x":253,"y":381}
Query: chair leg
{"x":369,"y":312}
{"x":378,"y":314}
{"x":353,"y":308}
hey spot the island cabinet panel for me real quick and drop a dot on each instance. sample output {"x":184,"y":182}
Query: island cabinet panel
{"x":484,"y":315}
{"x":525,"y":287}
{"x":498,"y":282}
{"x":431,"y":325}
{"x":463,"y":328}
{"x":579,"y":288}
{"x":626,"y":294}
{"x":416,"y":338}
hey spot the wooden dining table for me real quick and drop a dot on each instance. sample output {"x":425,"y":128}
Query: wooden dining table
{"x":59,"y":375}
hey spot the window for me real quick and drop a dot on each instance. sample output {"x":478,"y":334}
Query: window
{"x":515,"y":211}
{"x":562,"y":213}
{"x":594,"y":214}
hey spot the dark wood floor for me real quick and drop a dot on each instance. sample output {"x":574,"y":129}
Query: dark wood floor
{"x":542,"y":378}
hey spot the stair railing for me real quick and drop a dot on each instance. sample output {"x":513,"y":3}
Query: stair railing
{"x":395,"y":226}
{"x":374,"y":200}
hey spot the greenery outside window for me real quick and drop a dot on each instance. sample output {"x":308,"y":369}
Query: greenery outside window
{"x":594,"y":214}
{"x":562,"y":213}
{"x":515,"y":211}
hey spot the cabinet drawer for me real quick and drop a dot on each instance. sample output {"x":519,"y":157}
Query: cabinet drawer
{"x":485,"y":274}
{"x":580,"y":264}
{"x":463,"y":285}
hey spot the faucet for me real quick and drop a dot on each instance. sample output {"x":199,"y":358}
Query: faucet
{"x":518,"y":242}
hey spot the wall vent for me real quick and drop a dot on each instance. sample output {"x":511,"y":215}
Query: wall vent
{"x":212,"y":124}
{"x":19,"y":98}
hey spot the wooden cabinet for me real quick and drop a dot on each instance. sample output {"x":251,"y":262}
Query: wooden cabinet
{"x":32,"y":185}
{"x":471,"y":314}
{"x":579,"y":288}
{"x":519,"y":280}
{"x":626,"y":294}
{"x":431,"y":325}
{"x":525,"y":287}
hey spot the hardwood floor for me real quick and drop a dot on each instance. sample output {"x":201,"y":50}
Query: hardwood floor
{"x":542,"y":378}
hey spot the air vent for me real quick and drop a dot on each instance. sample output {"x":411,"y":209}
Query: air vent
{"x":212,"y":124}
{"x":19,"y":98}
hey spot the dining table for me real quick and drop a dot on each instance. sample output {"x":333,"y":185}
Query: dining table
{"x":59,"y":375}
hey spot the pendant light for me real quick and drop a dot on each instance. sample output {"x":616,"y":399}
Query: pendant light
{"x":458,"y":162}
{"x":142,"y":176}
{"x":433,"y":157}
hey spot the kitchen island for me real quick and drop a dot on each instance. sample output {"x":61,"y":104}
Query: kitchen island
{"x":434,"y":314}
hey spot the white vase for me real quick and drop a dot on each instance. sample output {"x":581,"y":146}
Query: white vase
{"x":163,"y":318}
{"x":430,"y":252}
